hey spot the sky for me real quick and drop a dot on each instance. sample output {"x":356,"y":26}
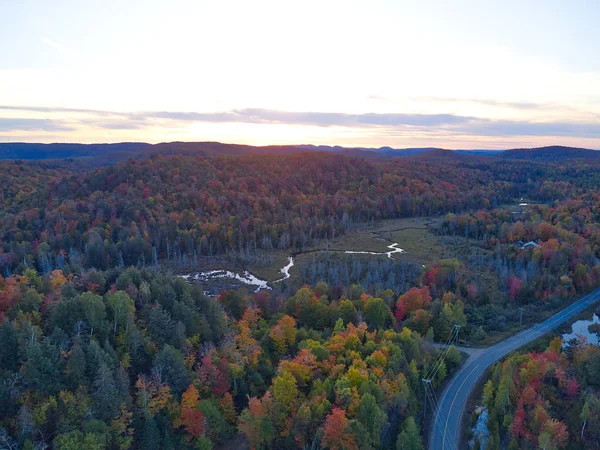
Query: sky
{"x":469,"y":74}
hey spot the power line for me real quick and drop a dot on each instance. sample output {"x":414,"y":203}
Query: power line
{"x":430,"y":393}
{"x":508,"y":314}
{"x":451,"y":444}
{"x":441,"y":353}
{"x":434,"y":370}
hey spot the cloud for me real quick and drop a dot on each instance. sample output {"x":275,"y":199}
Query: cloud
{"x":58,"y":109}
{"x":17,"y":124}
{"x":491,"y":102}
{"x":321,"y":119}
{"x":436,"y":123}
{"x":479,"y":101}
{"x":514,"y":128}
{"x":263,"y":116}
{"x":54,"y":45}
{"x":392,"y":123}
{"x":117,"y":124}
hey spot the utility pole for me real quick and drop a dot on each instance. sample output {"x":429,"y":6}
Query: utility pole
{"x":457,"y":328}
{"x":425,"y":383}
{"x":521,"y":317}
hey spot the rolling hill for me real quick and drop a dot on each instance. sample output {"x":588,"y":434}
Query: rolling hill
{"x":96,"y":155}
{"x":551,"y":153}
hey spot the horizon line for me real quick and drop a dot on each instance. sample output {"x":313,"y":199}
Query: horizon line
{"x":300,"y":146}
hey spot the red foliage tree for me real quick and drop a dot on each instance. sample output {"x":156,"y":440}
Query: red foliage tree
{"x":514,"y":286}
{"x":8,"y":293}
{"x":193,"y":421}
{"x":335,"y":436}
{"x":572,"y":388}
{"x":414,"y":299}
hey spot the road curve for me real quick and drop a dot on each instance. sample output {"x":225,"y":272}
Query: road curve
{"x":445,"y":433}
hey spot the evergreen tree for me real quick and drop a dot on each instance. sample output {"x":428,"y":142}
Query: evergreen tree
{"x":409,"y":438}
{"x":169,"y":363}
{"x":8,"y":347}
{"x":76,"y":365}
{"x":150,"y":439}
{"x":43,"y":368}
{"x":105,"y":394}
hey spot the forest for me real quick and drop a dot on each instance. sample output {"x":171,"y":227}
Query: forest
{"x":136,"y":359}
{"x":545,"y":398}
{"x":175,"y":207}
{"x":105,"y":347}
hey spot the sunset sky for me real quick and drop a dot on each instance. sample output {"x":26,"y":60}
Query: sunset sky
{"x":453,"y":74}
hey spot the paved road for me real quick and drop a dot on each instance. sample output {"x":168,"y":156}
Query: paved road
{"x":446,"y":427}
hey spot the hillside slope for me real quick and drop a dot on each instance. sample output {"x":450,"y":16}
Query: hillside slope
{"x":551,"y":153}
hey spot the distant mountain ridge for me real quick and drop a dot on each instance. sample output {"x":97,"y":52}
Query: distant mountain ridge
{"x":441,"y":155}
{"x":380,"y":151}
{"x":106,"y":154}
{"x":550,"y":153}
{"x":27,"y":151}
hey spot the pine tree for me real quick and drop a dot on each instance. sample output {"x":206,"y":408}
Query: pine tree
{"x":409,"y":438}
{"x":105,"y":394}
{"x":171,"y":365}
{"x":9,"y":346}
{"x":44,"y":367}
{"x":76,"y":365}
{"x":150,"y":434}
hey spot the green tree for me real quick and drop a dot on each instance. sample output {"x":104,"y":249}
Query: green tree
{"x":488,"y":395}
{"x":30,"y":300}
{"x":122,"y":308}
{"x":215,"y":422}
{"x":76,"y":440}
{"x":285,"y":390}
{"x":592,"y":367}
{"x":371,"y":417}
{"x":442,"y":372}
{"x":170,"y":364}
{"x":595,"y":329}
{"x":34,"y":280}
{"x":453,"y":358}
{"x":203,"y":443}
{"x":347,"y":311}
{"x":377,"y":313}
{"x":160,"y":326}
{"x":585,"y":416}
{"x":106,"y":399}
{"x":76,"y":365}
{"x":9,"y":356}
{"x":43,"y":368}
{"x":150,"y":434}
{"x":234,"y":303}
{"x":339,"y":326}
{"x":409,"y":438}
{"x":94,"y":310}
{"x":502,"y":397}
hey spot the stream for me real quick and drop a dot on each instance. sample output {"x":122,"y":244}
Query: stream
{"x":394,"y":249}
{"x":285,"y":270}
{"x":225,"y":278}
{"x":244,"y":277}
